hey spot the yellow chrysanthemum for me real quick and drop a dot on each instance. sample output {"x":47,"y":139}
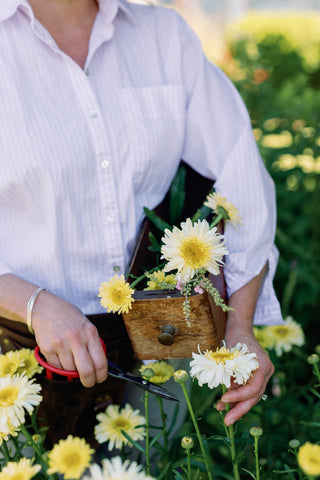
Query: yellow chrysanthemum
{"x":191,"y":248}
{"x":262,"y":338}
{"x":115,"y":469}
{"x":221,"y":206}
{"x":70,"y":457}
{"x":159,"y":280}
{"x":162,"y":371}
{"x":282,"y":337}
{"x":30,"y":365}
{"x":113,"y":420}
{"x":22,"y":470}
{"x":309,"y":459}
{"x":116,"y":295}
{"x":17,"y":394}
{"x":19,"y":362}
{"x":219,"y":367}
{"x":10,"y":362}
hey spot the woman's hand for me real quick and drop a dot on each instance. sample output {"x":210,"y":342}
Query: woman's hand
{"x":67,"y":339}
{"x":243,"y":397}
{"x":239,"y":329}
{"x":65,"y":336}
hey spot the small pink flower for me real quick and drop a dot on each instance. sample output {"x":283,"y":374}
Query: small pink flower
{"x":198,"y":289}
{"x":179,"y":285}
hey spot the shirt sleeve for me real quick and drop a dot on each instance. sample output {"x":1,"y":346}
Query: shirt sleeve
{"x":219,"y":144}
{"x":4,"y":268}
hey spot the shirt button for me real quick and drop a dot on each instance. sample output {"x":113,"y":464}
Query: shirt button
{"x":110,"y":216}
{"x":87,"y":72}
{"x":116,"y":268}
{"x":93,"y":114}
{"x":104,"y":163}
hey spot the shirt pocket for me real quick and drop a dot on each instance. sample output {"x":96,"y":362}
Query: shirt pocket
{"x":155,"y":123}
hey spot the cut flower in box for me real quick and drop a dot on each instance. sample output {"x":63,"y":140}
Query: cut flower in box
{"x":173,"y":299}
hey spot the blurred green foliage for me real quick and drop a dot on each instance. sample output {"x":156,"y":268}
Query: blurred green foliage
{"x":275,"y":64}
{"x":274,"y":61}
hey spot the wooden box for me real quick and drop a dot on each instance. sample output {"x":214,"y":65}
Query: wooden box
{"x":156,"y":324}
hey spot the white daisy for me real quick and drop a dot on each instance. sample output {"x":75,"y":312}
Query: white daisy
{"x":113,"y":421}
{"x":191,"y":248}
{"x":219,"y":367}
{"x":17,"y":394}
{"x":114,"y":469}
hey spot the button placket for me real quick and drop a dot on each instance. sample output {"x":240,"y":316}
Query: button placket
{"x":105,"y":175}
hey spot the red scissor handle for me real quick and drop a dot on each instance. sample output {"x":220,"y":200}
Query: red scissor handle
{"x":50,"y":369}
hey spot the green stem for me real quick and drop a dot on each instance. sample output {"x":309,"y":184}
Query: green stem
{"x":216,"y":220}
{"x":5,"y":450}
{"x":256,"y":454}
{"x":189,"y":464}
{"x":195,"y":424}
{"x":137,"y":280}
{"x":16,"y":445}
{"x":232,"y":443}
{"x":316,"y":372}
{"x":37,"y":450}
{"x":164,"y":428}
{"x":299,"y":468}
{"x":146,"y":414}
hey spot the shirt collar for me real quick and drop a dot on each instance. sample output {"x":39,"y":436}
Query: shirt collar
{"x":108,"y":8}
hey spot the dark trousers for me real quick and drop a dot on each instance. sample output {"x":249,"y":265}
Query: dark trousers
{"x":67,"y":407}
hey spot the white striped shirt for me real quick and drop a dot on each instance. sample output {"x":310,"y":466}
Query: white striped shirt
{"x":82,"y":151}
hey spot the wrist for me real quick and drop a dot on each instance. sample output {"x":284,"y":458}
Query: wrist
{"x":31,"y":302}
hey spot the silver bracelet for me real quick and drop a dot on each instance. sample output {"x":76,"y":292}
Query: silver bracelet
{"x":30,"y":305}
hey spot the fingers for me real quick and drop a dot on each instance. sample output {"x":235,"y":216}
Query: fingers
{"x":68,"y":340}
{"x":242,"y":398}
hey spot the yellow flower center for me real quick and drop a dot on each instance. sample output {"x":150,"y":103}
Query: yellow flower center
{"x":194,"y":252}
{"x":118,"y":296}
{"x":8,"y":396}
{"x":282,"y":331}
{"x":17,"y":476}
{"x":221,"y":355}
{"x":121,"y":423}
{"x":9,"y":368}
{"x":71,"y":459}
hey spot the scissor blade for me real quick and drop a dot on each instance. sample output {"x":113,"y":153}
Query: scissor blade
{"x":116,"y":371}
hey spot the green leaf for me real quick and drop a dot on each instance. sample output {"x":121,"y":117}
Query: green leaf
{"x":249,"y":473}
{"x":156,"y":438}
{"x":177,"y":475}
{"x":177,"y":196}
{"x":135,"y":444}
{"x":154,"y":244}
{"x":156,"y":220}
{"x":164,"y":471}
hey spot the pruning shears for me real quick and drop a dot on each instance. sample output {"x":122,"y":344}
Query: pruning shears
{"x":114,"y":370}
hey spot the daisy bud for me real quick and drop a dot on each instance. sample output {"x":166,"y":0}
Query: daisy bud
{"x":36,"y":438}
{"x":294,"y":443}
{"x":313,"y":359}
{"x":256,"y":431}
{"x":317,"y":349}
{"x":187,"y":443}
{"x":147,"y":374}
{"x":180,"y":376}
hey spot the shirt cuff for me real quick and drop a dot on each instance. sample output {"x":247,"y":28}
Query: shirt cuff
{"x":268,"y":310}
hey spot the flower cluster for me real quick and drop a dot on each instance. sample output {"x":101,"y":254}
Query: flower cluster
{"x":192,"y":252}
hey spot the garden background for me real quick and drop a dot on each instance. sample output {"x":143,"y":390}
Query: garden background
{"x":273,"y":58}
{"x":271,"y":52}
